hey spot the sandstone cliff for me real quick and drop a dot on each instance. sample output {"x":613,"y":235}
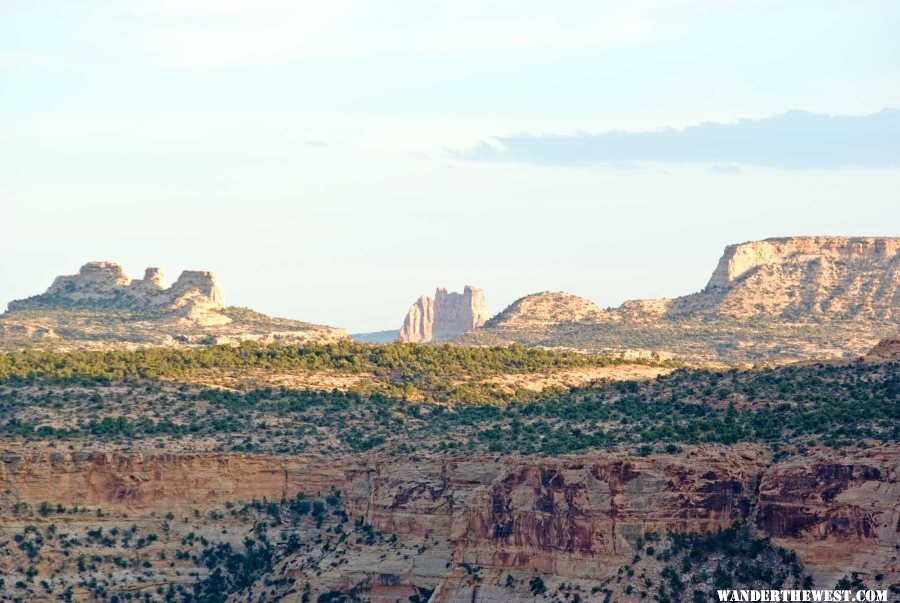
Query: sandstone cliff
{"x":797,"y":278}
{"x":444,"y":316}
{"x":573,"y":518}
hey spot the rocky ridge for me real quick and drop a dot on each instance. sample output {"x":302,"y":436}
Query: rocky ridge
{"x":777,"y":299}
{"x":444,"y":316}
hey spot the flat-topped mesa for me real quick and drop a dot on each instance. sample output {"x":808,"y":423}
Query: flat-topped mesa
{"x":445,"y":316}
{"x":738,"y":260}
{"x":803,"y":278}
{"x":105,"y":285}
{"x":94,"y":281}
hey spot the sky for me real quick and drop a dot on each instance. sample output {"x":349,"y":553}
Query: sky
{"x":331,"y":161}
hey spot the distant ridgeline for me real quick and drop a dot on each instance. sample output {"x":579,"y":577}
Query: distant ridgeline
{"x":774,"y":300}
{"x":100,"y":307}
{"x":777,"y":299}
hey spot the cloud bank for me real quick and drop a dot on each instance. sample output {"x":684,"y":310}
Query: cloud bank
{"x":793,"y":140}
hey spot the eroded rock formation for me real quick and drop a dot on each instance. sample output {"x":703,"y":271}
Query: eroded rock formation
{"x":444,"y":316}
{"x":100,"y":307}
{"x":105,"y":285}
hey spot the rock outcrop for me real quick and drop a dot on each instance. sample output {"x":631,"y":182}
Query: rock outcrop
{"x":887,"y":350}
{"x":105,"y":285}
{"x":100,"y":307}
{"x":444,"y":316}
{"x":573,"y":518}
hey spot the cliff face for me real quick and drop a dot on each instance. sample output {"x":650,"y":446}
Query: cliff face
{"x":743,"y":257}
{"x":418,"y":326}
{"x":840,"y":514}
{"x":444,"y":316}
{"x":839,"y":278}
{"x":574,"y":517}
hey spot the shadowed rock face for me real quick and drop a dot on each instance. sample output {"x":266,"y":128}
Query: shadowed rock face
{"x":576,"y":516}
{"x":887,"y":350}
{"x":444,"y":316}
{"x":839,"y":513}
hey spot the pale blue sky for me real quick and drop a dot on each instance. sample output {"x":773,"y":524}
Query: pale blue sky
{"x":320,"y":156}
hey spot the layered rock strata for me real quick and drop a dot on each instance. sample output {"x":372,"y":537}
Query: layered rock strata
{"x":575,"y":517}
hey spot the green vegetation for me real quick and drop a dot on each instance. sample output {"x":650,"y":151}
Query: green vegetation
{"x":793,"y":407}
{"x":396,"y":361}
{"x":694,"y":566}
{"x":438,"y":373}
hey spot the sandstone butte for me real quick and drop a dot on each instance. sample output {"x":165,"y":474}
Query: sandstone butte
{"x":444,"y":316}
{"x":101,"y":307}
{"x":576,"y":516}
{"x":195,"y":295}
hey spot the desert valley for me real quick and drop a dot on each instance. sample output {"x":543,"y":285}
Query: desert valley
{"x":159,"y":445}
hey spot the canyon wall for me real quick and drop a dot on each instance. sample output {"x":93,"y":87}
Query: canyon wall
{"x":578,"y":516}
